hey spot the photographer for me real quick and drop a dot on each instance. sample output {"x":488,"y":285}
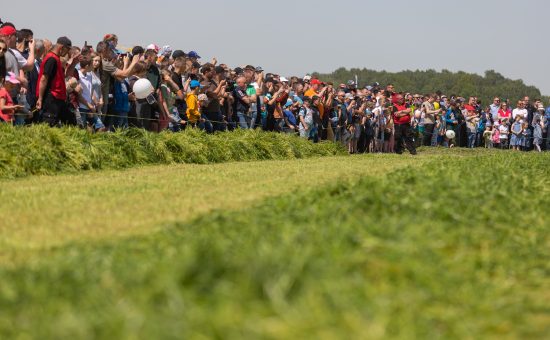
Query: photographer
{"x":24,"y":49}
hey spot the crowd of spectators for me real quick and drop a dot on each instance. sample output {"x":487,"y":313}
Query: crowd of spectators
{"x":93,"y":87}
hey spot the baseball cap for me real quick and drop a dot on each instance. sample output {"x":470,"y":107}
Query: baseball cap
{"x":196,"y":65}
{"x":219,"y":70}
{"x":238,"y":70}
{"x":194,"y":84}
{"x":315,"y":82}
{"x":351,"y":83}
{"x":283,"y":79}
{"x":368,"y":88}
{"x":7,"y":30}
{"x":152,"y":47}
{"x":10,"y":77}
{"x":66,"y":42}
{"x":178,"y":54}
{"x":375,"y":84}
{"x":165,"y":51}
{"x":250,"y":68}
{"x":307,"y":77}
{"x":193,"y":54}
{"x":259,"y":69}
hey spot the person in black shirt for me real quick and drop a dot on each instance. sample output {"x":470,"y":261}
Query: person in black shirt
{"x":242,"y":102}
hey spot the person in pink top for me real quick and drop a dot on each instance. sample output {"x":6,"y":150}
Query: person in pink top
{"x":7,"y":108}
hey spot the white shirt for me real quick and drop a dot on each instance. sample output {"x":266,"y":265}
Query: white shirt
{"x":21,"y":61}
{"x":85,"y":82}
{"x":503,"y":129}
{"x":521,"y":112}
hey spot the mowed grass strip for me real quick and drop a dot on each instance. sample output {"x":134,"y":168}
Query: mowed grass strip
{"x":41,"y":150}
{"x":41,"y":212}
{"x":455,"y":248}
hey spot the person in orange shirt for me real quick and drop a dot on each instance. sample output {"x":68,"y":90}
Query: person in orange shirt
{"x":192,"y":100}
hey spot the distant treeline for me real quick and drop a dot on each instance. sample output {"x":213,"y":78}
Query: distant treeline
{"x":430,"y":81}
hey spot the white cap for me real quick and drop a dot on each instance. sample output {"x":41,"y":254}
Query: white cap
{"x":283,"y":79}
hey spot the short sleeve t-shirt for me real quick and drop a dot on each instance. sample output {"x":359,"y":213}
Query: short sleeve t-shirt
{"x":6,"y":115}
{"x":85,"y":81}
{"x":429,"y":118}
{"x":11,"y":63}
{"x":21,"y":61}
{"x":193,"y":113}
{"x":240,"y":104}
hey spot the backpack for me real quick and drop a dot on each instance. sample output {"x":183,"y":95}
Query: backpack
{"x":121,"y":102}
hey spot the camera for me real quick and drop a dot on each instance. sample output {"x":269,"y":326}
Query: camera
{"x":230,"y":85}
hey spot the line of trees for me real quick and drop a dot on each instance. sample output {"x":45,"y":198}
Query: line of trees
{"x":493,"y":84}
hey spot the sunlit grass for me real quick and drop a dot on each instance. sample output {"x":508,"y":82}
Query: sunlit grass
{"x":402,"y":247}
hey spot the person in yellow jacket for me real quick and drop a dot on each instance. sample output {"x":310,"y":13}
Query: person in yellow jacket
{"x":192,"y":100}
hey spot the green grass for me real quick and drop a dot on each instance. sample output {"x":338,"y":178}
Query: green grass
{"x":451,"y":247}
{"x":49,"y":211}
{"x":42,"y":150}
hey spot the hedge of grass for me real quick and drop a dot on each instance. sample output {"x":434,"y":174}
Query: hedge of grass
{"x":39,"y":149}
{"x":456,"y":249}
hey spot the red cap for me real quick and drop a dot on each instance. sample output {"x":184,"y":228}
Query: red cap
{"x":7,"y":31}
{"x":315,"y":82}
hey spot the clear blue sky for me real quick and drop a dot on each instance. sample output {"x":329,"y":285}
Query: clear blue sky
{"x":300,"y":36}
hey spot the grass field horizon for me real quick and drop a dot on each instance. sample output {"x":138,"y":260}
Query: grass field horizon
{"x":368,"y":246}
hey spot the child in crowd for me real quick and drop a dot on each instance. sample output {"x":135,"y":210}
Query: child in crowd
{"x":496,"y":136}
{"x":516,"y":136}
{"x":525,"y":135}
{"x":369,"y":125}
{"x":504,"y":132}
{"x":192,"y":100}
{"x":488,"y":137}
{"x":7,"y":107}
{"x":538,"y":127}
{"x":307,"y":125}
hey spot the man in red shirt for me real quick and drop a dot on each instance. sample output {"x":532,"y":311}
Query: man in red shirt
{"x":401,"y":114}
{"x":51,"y":90}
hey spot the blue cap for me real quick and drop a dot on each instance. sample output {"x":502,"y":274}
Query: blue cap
{"x":194,"y":84}
{"x":193,"y":54}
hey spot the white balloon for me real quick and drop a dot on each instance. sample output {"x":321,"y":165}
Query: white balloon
{"x":450,"y":134}
{"x":142,"y":88}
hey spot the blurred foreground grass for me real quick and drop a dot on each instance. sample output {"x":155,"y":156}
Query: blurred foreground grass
{"x":449,"y":247}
